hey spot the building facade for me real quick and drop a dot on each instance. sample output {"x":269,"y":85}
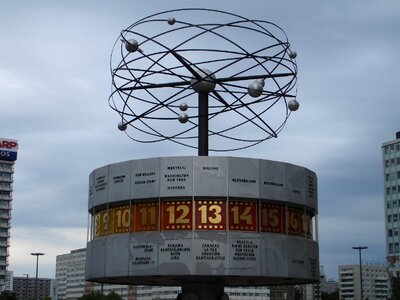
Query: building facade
{"x":8,"y":156}
{"x":391,"y":167}
{"x":375,"y":282}
{"x":25,"y":288}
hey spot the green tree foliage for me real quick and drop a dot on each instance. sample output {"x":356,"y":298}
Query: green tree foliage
{"x":98,"y":296}
{"x":8,"y":295}
{"x":395,"y":288}
{"x":113,"y":296}
{"x":331,"y":296}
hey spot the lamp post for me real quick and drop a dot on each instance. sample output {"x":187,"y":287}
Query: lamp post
{"x":26,"y":286}
{"x":360,"y":248}
{"x":37,"y":254}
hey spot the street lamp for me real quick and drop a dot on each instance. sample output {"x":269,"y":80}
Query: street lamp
{"x":26,"y":286}
{"x":37,"y":254}
{"x":360,"y":248}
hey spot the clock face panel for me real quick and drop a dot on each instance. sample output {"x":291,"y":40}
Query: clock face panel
{"x":165,"y":66}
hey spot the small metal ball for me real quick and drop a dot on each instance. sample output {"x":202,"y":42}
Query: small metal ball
{"x":171,"y":20}
{"x":293,"y":54}
{"x":183,"y":117}
{"x":122,"y":126}
{"x":183,"y":106}
{"x":131,"y":45}
{"x":293,"y":105}
{"x":255,"y":89}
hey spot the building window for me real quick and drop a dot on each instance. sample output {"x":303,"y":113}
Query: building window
{"x":387,"y":177}
{"x":395,"y":218}
{"x":396,"y":247}
{"x":389,"y":218}
{"x":390,"y":232}
{"x":396,"y":232}
{"x":394,"y":189}
{"x":397,"y":147}
{"x":392,"y":161}
{"x":387,"y":191}
{"x":388,"y":205}
{"x":390,"y":247}
{"x":395,"y":203}
{"x":386,"y":163}
{"x":391,"y":147}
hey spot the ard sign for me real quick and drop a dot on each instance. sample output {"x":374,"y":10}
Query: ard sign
{"x":8,"y":149}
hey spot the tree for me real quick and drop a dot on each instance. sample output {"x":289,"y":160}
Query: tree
{"x":98,"y":296}
{"x":113,"y":296}
{"x":395,"y":288}
{"x":8,"y":295}
{"x":330,"y":296}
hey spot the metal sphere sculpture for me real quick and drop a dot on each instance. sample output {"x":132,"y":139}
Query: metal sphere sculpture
{"x":243,"y":72}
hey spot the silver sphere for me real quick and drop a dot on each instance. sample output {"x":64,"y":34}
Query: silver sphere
{"x":171,"y":20}
{"x":122,"y":126}
{"x":206,"y":85}
{"x":131,"y":45}
{"x":255,"y":89}
{"x":183,"y":117}
{"x":293,"y":105}
{"x":183,"y":106}
{"x":293,"y":54}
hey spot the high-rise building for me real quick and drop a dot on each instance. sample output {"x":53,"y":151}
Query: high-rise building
{"x":25,"y":288}
{"x":8,"y":155}
{"x":391,"y":167}
{"x":375,"y":282}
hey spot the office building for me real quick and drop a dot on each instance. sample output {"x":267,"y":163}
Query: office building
{"x":8,"y":286}
{"x":375,"y":282}
{"x":326,"y":285}
{"x":8,"y":156}
{"x":25,"y":288}
{"x":391,"y":167}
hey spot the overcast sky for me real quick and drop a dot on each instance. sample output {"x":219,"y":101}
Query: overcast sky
{"x":54,"y":88}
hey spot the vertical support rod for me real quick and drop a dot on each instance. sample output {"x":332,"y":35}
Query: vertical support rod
{"x":37,"y":269}
{"x":203,"y":124}
{"x":36,"y":278}
{"x":360,"y":248}
{"x":203,"y":291}
{"x":26,"y":286}
{"x":361,"y":281}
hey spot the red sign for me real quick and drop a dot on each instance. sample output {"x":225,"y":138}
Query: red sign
{"x":146,"y":216}
{"x":8,"y":144}
{"x":176,"y":215}
{"x":121,"y":219}
{"x":295,"y":220}
{"x":210,"y":215}
{"x":243,"y":216}
{"x":207,"y":215}
{"x":273,"y":218}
